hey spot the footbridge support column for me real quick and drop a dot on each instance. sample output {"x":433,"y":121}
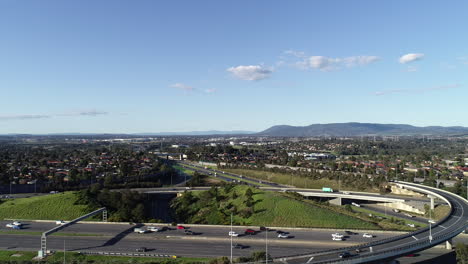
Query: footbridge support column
{"x":449,"y":244}
{"x":336,"y":201}
{"x":432,"y":201}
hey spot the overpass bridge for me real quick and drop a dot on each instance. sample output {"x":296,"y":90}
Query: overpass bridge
{"x":384,"y":251}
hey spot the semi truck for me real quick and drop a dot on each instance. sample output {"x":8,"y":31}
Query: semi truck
{"x":326,"y":189}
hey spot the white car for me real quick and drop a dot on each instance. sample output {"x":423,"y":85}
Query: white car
{"x":17,"y":223}
{"x":59,"y":222}
{"x":367,"y":235}
{"x":283,"y":235}
{"x":337,"y":238}
{"x":338,"y":235}
{"x":396,"y":210}
{"x":431,"y":221}
{"x":153,"y":229}
{"x":410,"y":225}
{"x":346,"y":193}
{"x":234,"y":234}
{"x":408,"y":215}
{"x":9,"y":225}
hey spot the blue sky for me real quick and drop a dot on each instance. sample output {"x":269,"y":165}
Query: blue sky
{"x":157,"y":66}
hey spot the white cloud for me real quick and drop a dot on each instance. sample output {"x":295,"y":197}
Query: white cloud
{"x":423,"y":90}
{"x":182,"y":86}
{"x":210,"y":91}
{"x":327,"y":64}
{"x":250,"y":72}
{"x":23,"y":117}
{"x":410,"y":57}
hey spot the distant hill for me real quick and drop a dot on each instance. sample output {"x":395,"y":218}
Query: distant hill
{"x":360,"y":129}
{"x":197,"y":133}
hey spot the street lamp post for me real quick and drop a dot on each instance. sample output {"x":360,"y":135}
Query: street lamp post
{"x":266,"y":245}
{"x":231,"y":238}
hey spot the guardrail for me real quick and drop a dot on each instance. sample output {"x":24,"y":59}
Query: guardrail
{"x":154,"y":255}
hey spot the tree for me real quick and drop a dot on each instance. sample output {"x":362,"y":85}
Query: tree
{"x":462,"y":253}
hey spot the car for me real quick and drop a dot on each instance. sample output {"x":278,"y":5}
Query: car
{"x":337,"y":235}
{"x":367,"y":235}
{"x":283,"y":235}
{"x":337,"y":238}
{"x":188,"y":188}
{"x":281,"y":232}
{"x":262,"y":228}
{"x":9,"y":225}
{"x":250,"y":232}
{"x":345,"y":255}
{"x":431,"y":221}
{"x":238,"y":246}
{"x":396,"y":210}
{"x":153,"y":229}
{"x":350,"y":233}
{"x":359,"y":250}
{"x":234,"y":234}
{"x":59,"y":222}
{"x":16,"y":227}
{"x":17,"y":223}
{"x":346,"y":193}
{"x":408,"y":215}
{"x":411,"y":225}
{"x":188,"y":232}
{"x":181,"y":227}
{"x":141,"y":249}
{"x":411,"y":255}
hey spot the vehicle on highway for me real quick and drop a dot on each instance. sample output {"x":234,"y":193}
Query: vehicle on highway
{"x":188,"y":232}
{"x":141,"y":249}
{"x":188,"y":188}
{"x":262,"y":228}
{"x":431,"y":221}
{"x":238,"y":246}
{"x":367,"y":235}
{"x":410,"y":225}
{"x":154,"y":228}
{"x":350,"y":233}
{"x":359,"y":250}
{"x":337,"y":235}
{"x":250,"y":232}
{"x":408,"y":215}
{"x":337,"y":238}
{"x":346,"y":193}
{"x":59,"y":222}
{"x":345,"y":254}
{"x":234,"y":234}
{"x":140,"y":230}
{"x":18,"y":223}
{"x":326,"y":189}
{"x":396,"y":210}
{"x":356,"y":204}
{"x":181,"y":227}
{"x":283,"y":235}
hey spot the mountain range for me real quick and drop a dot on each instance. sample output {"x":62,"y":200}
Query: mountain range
{"x":360,"y":129}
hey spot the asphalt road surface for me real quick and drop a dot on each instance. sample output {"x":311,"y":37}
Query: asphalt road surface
{"x":209,"y":241}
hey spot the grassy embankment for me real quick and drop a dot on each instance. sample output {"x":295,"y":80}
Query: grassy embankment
{"x":290,"y":179}
{"x":49,"y":207}
{"x":268,"y":209}
{"x":73,"y":257}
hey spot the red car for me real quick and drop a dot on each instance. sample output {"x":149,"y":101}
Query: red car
{"x":181,"y":227}
{"x":250,"y":232}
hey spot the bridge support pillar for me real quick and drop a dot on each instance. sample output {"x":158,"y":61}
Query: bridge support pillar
{"x":336,"y":201}
{"x":432,"y":203}
{"x":449,"y":244}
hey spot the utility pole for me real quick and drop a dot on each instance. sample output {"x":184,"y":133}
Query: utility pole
{"x":64,"y":261}
{"x":266,"y":245}
{"x":231,"y":238}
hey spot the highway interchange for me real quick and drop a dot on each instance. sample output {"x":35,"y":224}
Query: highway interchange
{"x":306,"y":245}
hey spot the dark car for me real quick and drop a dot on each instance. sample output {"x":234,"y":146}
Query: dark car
{"x":359,"y":250}
{"x":350,"y":233}
{"x":238,"y":246}
{"x":141,"y":249}
{"x":250,"y":232}
{"x":262,"y":228}
{"x":188,"y":232}
{"x":345,"y":255}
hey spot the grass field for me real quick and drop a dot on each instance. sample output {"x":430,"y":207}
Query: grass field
{"x":272,"y":209}
{"x":290,"y":179}
{"x":48,"y":207}
{"x":406,"y":221}
{"x":73,"y":257}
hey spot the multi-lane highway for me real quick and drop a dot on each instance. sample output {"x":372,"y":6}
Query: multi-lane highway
{"x":210,"y":241}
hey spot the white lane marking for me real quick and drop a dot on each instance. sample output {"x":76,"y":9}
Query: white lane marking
{"x":443,"y":226}
{"x":310,"y":259}
{"x":415,"y":237}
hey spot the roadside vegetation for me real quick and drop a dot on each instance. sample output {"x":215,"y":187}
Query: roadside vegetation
{"x":306,"y":180}
{"x":251,"y":206}
{"x":48,"y":207}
